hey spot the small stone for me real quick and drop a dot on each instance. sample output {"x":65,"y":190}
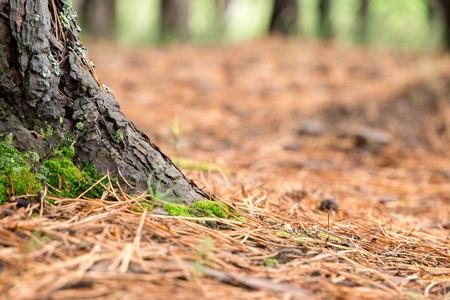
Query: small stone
{"x":372,"y":138}
{"x":446,"y":224}
{"x":388,"y":198}
{"x":446,"y":173}
{"x":312,"y":127}
{"x":292,"y":147}
{"x":295,"y":195}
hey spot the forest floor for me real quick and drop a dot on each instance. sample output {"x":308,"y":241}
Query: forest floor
{"x":272,"y":128}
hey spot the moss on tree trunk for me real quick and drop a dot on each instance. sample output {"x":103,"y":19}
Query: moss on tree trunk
{"x":50,"y":96}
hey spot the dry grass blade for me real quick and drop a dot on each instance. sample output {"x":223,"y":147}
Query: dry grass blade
{"x":258,"y":283}
{"x":57,"y":22}
{"x":91,"y":187}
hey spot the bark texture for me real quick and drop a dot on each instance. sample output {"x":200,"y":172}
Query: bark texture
{"x":49,"y":95}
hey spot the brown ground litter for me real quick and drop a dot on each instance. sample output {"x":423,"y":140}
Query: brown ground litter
{"x":241,"y":108}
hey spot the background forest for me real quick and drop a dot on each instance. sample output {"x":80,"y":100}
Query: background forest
{"x":320,"y":127}
{"x":418,"y":24}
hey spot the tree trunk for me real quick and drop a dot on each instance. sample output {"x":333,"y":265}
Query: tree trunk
{"x":325,"y":30}
{"x":446,"y":12}
{"x":50,"y":95}
{"x":284,"y":17}
{"x":363,"y":20}
{"x":222,"y":15}
{"x":174,"y":20}
{"x":98,"y":17}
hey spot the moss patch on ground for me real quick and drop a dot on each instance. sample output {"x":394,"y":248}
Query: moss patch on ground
{"x":58,"y":171}
{"x":15,"y":171}
{"x":144,"y":204}
{"x":205,"y":208}
{"x":67,"y":179}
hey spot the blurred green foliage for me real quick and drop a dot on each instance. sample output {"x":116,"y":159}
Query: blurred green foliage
{"x":399,"y":23}
{"x":137,"y":21}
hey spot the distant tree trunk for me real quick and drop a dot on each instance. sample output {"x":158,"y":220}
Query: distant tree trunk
{"x":363,"y":21}
{"x":446,"y":12}
{"x":98,"y":17}
{"x":284,"y":17}
{"x":221,"y":13}
{"x":325,"y":30}
{"x":222,"y":5}
{"x":174,"y":20}
{"x":48,"y":84}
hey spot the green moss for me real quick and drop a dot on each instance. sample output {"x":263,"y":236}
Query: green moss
{"x":327,"y":236}
{"x":34,"y":157}
{"x":60,"y":172}
{"x":213,"y":208}
{"x":17,"y":182}
{"x":10,"y":157}
{"x":49,"y":131}
{"x":198,"y":209}
{"x":287,"y":233}
{"x":283,"y":234}
{"x":79,"y":126}
{"x":179,"y":210}
{"x":119,"y":136}
{"x":271,"y":262}
{"x":144,"y":204}
{"x":270,"y":221}
{"x":15,"y":175}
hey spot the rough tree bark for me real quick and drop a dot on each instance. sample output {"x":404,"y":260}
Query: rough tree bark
{"x":48,"y":85}
{"x":174,"y":19}
{"x":284,"y":17}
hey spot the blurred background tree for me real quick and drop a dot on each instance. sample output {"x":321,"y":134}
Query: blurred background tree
{"x":97,"y":17}
{"x":174,"y":20}
{"x":445,"y":5}
{"x":418,"y":24}
{"x":324,"y":26}
{"x":363,"y":22}
{"x":284,"y":17}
